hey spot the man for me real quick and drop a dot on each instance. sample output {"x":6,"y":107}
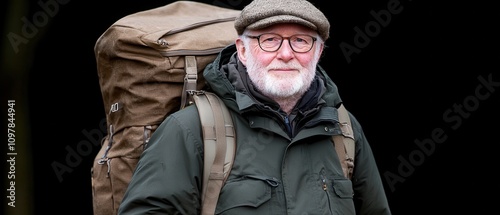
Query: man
{"x":284,"y":110}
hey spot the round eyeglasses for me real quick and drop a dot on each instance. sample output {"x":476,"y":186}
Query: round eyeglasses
{"x":270,"y":42}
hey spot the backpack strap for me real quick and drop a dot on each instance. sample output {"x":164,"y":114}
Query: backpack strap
{"x":344,"y":144}
{"x":190,"y":80}
{"x":220,"y":146}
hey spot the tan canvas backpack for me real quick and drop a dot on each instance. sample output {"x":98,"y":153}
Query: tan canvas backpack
{"x":148,"y":63}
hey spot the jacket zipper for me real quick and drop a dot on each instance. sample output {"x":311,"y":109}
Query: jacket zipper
{"x":324,"y":186}
{"x":288,"y":125}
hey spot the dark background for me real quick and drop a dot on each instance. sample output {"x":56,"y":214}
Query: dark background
{"x":425,"y":62}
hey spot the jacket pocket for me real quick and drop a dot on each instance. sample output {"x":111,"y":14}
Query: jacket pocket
{"x":343,"y":188}
{"x":343,"y":196}
{"x":246,"y":194}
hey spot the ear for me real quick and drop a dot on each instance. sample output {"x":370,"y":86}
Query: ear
{"x":241,"y":51}
{"x":320,"y":51}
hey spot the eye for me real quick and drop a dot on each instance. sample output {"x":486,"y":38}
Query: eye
{"x":270,"y":38}
{"x":301,"y":40}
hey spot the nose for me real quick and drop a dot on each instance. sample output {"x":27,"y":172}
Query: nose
{"x":285,"y":52}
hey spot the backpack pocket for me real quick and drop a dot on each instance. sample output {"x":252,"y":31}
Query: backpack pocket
{"x":114,"y":165}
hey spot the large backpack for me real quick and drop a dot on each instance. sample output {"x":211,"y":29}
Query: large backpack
{"x":150,"y":65}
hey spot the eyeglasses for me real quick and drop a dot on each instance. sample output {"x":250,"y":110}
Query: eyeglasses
{"x":270,"y":42}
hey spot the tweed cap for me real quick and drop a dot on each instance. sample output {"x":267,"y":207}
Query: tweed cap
{"x":263,"y":13}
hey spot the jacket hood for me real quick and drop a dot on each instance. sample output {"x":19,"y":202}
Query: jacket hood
{"x":226,"y":77}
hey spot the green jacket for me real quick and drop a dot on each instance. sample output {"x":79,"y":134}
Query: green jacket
{"x":280,"y":168}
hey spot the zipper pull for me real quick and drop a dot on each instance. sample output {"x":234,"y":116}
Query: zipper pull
{"x":325,"y":187}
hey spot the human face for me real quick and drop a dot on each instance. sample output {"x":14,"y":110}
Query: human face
{"x":283,"y":73}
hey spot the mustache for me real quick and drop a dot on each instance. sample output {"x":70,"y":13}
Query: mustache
{"x":283,"y":66}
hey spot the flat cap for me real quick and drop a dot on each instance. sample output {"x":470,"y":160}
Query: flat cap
{"x":263,"y":13}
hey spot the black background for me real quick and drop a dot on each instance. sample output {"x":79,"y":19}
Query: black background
{"x":424,"y":62}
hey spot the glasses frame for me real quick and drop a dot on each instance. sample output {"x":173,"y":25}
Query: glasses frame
{"x":283,"y":39}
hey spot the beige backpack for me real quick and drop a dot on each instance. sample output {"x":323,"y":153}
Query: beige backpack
{"x":150,"y":65}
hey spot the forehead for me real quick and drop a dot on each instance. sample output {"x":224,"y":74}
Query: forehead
{"x":285,"y":29}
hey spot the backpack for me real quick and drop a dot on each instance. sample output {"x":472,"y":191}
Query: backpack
{"x":150,"y":65}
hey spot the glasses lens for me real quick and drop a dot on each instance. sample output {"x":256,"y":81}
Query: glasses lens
{"x":270,"y":42}
{"x":301,"y":43}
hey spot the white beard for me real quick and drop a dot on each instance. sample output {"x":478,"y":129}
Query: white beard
{"x":282,"y":84}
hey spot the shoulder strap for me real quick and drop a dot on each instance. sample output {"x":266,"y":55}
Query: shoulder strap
{"x":190,"y":80}
{"x":344,"y":144}
{"x":220,"y":146}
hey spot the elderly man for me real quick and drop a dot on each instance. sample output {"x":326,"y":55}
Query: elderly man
{"x":283,"y":106}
